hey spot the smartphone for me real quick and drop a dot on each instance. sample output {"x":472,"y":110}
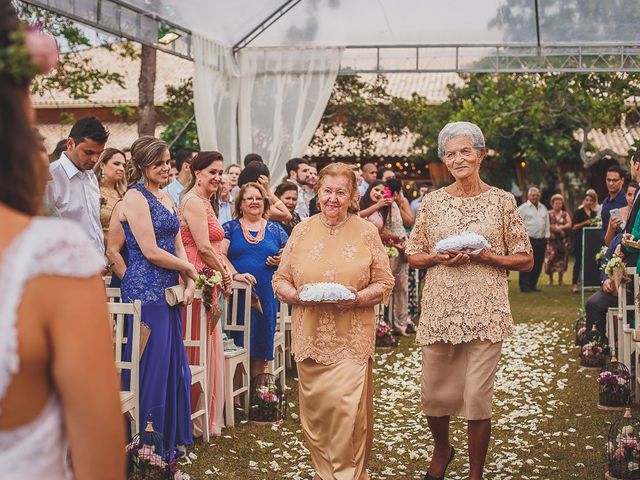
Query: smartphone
{"x":615,"y":213}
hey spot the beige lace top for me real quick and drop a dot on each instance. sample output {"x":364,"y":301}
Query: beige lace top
{"x":467,"y":302}
{"x":352,"y":255}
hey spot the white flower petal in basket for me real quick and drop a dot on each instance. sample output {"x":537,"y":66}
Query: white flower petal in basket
{"x":465,"y":240}
{"x":327,"y":292}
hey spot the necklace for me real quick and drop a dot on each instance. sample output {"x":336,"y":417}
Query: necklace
{"x":203,"y":197}
{"x":250,"y":238}
{"x":333,"y":228}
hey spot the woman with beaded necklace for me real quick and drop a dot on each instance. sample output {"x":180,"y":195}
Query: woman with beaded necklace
{"x":253,"y":244}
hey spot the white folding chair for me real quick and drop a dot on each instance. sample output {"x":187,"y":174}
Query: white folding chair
{"x":239,"y":358}
{"x":129,"y":399}
{"x":277,"y":366}
{"x":288,"y":354}
{"x":627,"y":312}
{"x":199,"y":372}
{"x":114,"y":295}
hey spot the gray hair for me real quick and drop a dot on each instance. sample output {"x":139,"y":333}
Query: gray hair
{"x":457,"y":129}
{"x":533,"y":190}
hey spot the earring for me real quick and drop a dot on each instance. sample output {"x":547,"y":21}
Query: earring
{"x":199,"y":183}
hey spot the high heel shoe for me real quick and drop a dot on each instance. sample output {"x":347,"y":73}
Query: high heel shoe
{"x":431,"y":477}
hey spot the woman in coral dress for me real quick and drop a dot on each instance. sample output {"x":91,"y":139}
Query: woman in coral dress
{"x":201,"y":234}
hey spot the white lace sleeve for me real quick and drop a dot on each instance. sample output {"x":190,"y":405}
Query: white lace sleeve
{"x":45,"y":247}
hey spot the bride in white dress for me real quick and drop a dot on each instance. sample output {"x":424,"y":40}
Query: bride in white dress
{"x":58,"y":385}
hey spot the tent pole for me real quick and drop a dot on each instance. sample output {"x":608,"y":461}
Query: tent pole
{"x":265,"y":24}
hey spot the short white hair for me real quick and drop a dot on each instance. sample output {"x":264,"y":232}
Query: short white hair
{"x":533,"y":190}
{"x":460,"y":129}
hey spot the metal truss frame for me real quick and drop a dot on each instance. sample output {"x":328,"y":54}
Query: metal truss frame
{"x":493,"y":58}
{"x":121,"y":19}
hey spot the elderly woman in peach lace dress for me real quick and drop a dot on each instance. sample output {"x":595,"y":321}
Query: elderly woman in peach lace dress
{"x":465,"y":305}
{"x":333,"y":344}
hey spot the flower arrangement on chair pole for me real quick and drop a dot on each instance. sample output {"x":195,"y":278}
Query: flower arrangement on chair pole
{"x":144,"y":461}
{"x":268,"y":402}
{"x":614,"y":385}
{"x":594,"y":353}
{"x":384,"y":337}
{"x":623,"y":449}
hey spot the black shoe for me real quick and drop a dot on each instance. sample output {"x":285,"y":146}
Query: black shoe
{"x":431,"y":477}
{"x":525,"y":290}
{"x":536,"y":290}
{"x":411,"y":329}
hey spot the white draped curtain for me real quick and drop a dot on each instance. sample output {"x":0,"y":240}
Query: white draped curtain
{"x":216,"y":84}
{"x":270,"y":101}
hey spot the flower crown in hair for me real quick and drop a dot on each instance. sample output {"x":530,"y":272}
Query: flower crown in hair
{"x":28,"y":53}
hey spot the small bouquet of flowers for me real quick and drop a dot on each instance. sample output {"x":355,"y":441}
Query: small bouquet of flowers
{"x":601,"y":253}
{"x":614,"y":388}
{"x":615,"y":270}
{"x":392,"y":252}
{"x":384,"y":338}
{"x":596,"y":222}
{"x":594,"y":354}
{"x":208,"y":280}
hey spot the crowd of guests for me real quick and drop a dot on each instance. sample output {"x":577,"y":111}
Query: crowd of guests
{"x":161,"y":220}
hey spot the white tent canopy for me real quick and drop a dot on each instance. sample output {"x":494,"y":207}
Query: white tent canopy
{"x":265,"y":68}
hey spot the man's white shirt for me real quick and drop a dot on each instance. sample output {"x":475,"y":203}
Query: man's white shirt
{"x":536,"y":219}
{"x":76,"y":196}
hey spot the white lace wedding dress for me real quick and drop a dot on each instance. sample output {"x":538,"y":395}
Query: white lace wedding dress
{"x":45,"y":247}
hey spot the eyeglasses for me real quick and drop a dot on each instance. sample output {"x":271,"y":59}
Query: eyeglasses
{"x":613,"y":180}
{"x":252,"y":199}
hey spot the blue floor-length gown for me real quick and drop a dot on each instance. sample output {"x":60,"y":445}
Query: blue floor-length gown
{"x":250,"y":258}
{"x":165,"y":378}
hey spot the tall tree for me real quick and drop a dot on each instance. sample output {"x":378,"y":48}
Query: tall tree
{"x":146,"y":89}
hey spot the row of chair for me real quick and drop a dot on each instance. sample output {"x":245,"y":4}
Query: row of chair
{"x":236,"y":317}
{"x":623,"y":330}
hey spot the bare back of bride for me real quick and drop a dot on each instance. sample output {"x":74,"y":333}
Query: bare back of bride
{"x":58,"y":386}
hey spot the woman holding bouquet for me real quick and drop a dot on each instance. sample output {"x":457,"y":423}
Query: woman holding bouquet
{"x":465,"y":304}
{"x":201,"y":234}
{"x":334,"y":343}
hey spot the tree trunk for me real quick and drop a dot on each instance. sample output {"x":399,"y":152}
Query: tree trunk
{"x":146,"y":87}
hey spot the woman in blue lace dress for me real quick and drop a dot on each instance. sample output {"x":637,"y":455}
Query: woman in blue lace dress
{"x":156,"y":258}
{"x":253,"y":245}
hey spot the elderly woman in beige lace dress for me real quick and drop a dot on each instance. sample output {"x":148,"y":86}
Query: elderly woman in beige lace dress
{"x":333,"y":344}
{"x":465,"y":305}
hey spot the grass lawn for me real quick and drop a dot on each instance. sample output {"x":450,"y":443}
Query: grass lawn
{"x":546,"y":424}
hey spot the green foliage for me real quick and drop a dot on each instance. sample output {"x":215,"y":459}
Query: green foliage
{"x":75,"y":74}
{"x":356,"y":111}
{"x":532,"y":118}
{"x":179,"y":115}
{"x":125,"y":113}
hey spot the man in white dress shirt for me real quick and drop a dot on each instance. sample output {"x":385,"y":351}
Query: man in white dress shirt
{"x":184,"y":156}
{"x":369,"y":173}
{"x":536,"y":220}
{"x":298,"y":171}
{"x":74,"y":189}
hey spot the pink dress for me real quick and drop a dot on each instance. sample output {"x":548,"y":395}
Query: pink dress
{"x":216,"y":349}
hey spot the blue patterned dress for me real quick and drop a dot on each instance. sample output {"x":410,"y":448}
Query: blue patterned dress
{"x":250,"y":258}
{"x":165,"y":378}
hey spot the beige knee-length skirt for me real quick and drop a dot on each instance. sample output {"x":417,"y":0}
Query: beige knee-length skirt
{"x":336,"y":413}
{"x":457,"y":380}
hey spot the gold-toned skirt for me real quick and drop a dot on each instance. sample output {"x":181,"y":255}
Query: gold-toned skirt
{"x":336,"y":413}
{"x":458,"y":379}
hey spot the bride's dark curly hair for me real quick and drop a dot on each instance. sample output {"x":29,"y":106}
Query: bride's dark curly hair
{"x":20,"y":188}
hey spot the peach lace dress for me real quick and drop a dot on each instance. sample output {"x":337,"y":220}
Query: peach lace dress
{"x":216,"y":351}
{"x":470,"y":301}
{"x":333,"y":347}
{"x":465,"y":309}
